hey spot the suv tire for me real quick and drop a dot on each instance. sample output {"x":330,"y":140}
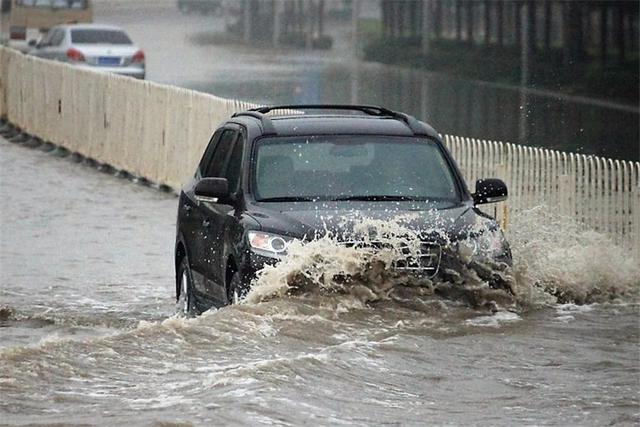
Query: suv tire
{"x":185,"y":299}
{"x":236,"y":290}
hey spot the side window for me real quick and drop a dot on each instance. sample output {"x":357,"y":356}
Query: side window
{"x":46,"y":40}
{"x":215,"y":166}
{"x":208,"y":153}
{"x":56,"y":39}
{"x":234,"y":166}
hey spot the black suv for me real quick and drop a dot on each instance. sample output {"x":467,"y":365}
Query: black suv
{"x":274,"y":174}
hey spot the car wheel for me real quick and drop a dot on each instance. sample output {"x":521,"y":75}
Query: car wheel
{"x":236,"y":289}
{"x":186,"y":302}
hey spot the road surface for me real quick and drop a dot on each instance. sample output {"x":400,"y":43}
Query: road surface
{"x":89,"y":335}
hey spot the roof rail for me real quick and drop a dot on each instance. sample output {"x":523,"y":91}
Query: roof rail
{"x":368,"y":109}
{"x":267,"y":126}
{"x":372,"y":110}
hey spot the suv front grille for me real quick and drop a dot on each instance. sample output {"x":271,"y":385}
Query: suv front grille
{"x":425,"y":262}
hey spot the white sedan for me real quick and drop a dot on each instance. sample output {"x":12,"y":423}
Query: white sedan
{"x":98,"y":47}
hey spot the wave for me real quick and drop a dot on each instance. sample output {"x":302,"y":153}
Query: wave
{"x":555,"y":261}
{"x":562,"y":260}
{"x":65,"y":317}
{"x":327,"y":283}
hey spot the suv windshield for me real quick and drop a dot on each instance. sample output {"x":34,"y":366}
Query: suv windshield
{"x":351,"y":168}
{"x":99,"y":37}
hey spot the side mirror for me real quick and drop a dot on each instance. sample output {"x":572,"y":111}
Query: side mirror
{"x":490,"y":190}
{"x":212,"y":189}
{"x":33,"y":43}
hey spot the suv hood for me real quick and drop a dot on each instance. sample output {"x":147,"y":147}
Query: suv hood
{"x":434,"y":222}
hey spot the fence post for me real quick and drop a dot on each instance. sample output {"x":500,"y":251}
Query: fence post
{"x":501,"y":210}
{"x":567,"y":196}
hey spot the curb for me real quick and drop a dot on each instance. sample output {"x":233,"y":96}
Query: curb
{"x":15,"y":135}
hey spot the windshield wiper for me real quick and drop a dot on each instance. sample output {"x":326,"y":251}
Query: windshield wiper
{"x":288,"y":199}
{"x":379,"y":198}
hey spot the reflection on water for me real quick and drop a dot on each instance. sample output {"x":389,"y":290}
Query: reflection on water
{"x":452,"y":106}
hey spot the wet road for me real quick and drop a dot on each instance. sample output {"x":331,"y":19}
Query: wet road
{"x":177,"y":55}
{"x":89,"y":336}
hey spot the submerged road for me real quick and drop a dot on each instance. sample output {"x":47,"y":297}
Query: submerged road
{"x":89,"y":336}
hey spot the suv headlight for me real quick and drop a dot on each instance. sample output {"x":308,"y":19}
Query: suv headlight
{"x":268,"y":244}
{"x":488,"y":244}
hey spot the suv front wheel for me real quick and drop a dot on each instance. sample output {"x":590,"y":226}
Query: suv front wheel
{"x":236,"y":290}
{"x":185,"y":301}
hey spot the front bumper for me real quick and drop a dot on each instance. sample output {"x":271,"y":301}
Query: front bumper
{"x":446,"y":260}
{"x":425,"y":266}
{"x":258,"y":262}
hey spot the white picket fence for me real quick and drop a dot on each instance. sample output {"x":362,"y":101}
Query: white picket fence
{"x":159,"y":132}
{"x":601,"y":193}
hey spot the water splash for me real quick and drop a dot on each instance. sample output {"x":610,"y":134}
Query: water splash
{"x":560,"y":260}
{"x":364,"y":273}
{"x":553,"y":262}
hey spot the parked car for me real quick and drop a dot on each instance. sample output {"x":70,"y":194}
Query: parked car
{"x":97,"y":47}
{"x":200,"y":6}
{"x":265,"y":180}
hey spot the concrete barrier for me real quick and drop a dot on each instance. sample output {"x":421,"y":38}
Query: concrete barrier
{"x":159,"y":132}
{"x":151,"y":130}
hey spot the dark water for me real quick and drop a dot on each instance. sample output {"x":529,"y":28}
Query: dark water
{"x":453,"y":106}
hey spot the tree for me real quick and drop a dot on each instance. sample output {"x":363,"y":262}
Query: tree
{"x":572,"y":14}
{"x":517,"y":23}
{"x":487,"y":22}
{"x":620,"y":33}
{"x":500,"y":23}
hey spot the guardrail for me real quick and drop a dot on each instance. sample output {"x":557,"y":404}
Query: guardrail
{"x":150,"y":130}
{"x":159,"y":132}
{"x":601,"y":193}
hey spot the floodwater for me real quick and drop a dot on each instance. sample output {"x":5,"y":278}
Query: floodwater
{"x":453,"y":106}
{"x":89,"y":334}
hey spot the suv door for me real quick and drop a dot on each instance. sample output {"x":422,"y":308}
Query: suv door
{"x":223,"y":218}
{"x":189,"y":221}
{"x":205,"y":260}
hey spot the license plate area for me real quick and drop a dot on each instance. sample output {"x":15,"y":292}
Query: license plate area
{"x":425,"y":262}
{"x":109,"y":61}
